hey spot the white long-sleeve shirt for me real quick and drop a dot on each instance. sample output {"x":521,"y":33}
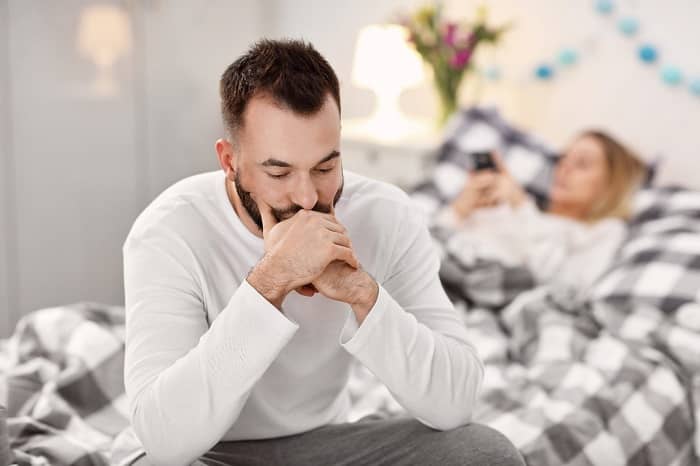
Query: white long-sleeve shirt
{"x":557,"y":250}
{"x":209,"y":359}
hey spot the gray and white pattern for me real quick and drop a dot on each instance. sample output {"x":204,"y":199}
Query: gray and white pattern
{"x":603,"y":378}
{"x":659,"y":264}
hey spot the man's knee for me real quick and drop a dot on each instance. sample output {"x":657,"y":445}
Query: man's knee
{"x":477,"y":444}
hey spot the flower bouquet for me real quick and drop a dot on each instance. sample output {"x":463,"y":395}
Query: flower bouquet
{"x":449,"y":47}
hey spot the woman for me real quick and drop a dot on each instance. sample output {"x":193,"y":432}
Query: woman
{"x":575,"y":238}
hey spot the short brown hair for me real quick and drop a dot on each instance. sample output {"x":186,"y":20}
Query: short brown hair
{"x":291,"y":72}
{"x":626,"y":172}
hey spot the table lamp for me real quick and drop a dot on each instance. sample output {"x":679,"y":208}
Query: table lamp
{"x":385,"y":63}
{"x":104,"y":35}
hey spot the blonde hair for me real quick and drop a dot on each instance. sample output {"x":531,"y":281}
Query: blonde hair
{"x":626,"y":173}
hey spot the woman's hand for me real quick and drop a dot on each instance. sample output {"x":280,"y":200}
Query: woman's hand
{"x":478,"y":192}
{"x":506,"y":189}
{"x":487,"y":189}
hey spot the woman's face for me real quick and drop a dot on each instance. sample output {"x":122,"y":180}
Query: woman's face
{"x":581,"y":174}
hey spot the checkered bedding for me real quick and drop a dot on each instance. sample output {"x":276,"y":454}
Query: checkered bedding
{"x":609,"y":377}
{"x":65,"y":390}
{"x":477,"y":281}
{"x":579,"y":382}
{"x":572,"y":382}
{"x":659,"y":264}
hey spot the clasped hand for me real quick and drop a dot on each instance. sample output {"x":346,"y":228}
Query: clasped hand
{"x":311,"y":251}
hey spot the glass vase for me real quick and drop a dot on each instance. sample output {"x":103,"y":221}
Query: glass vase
{"x":446,"y":86}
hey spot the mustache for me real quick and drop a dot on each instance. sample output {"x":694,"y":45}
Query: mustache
{"x":251,"y":207}
{"x":286,"y":213}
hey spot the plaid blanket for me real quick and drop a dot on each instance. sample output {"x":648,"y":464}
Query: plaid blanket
{"x":577,"y":382}
{"x":572,"y":382}
{"x":65,"y":387}
{"x":65,"y":391}
{"x":569,"y":382}
{"x":578,"y":378}
{"x":606,"y":377}
{"x":659,"y":264}
{"x":477,"y":281}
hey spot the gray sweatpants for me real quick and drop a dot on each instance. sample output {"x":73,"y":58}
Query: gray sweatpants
{"x":370,"y":442}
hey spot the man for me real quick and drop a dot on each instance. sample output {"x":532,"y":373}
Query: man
{"x":251,"y":290}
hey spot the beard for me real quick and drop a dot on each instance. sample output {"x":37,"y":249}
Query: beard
{"x":280,"y":215}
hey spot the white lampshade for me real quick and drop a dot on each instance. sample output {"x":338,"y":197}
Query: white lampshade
{"x":385,"y":63}
{"x":104,"y":35}
{"x":384,"y":60}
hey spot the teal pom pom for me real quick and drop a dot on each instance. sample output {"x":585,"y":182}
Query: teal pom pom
{"x":648,"y":53}
{"x":671,"y":75}
{"x":628,"y":26}
{"x":568,"y":57}
{"x":544,"y":72}
{"x":604,"y":7}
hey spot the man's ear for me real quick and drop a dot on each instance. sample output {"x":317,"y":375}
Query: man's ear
{"x":227,"y":157}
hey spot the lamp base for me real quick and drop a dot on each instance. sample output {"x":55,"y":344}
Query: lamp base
{"x":388,"y":124}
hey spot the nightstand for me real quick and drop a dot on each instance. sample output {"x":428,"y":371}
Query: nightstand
{"x":403,"y":161}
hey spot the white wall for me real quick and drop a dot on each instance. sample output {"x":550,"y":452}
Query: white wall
{"x":6,"y":180}
{"x":188,"y":45}
{"x":609,"y":88}
{"x":76,"y":169}
{"x":73,"y":160}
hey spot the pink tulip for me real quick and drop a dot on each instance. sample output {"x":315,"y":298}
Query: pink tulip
{"x":450,"y":33}
{"x":460,"y":59}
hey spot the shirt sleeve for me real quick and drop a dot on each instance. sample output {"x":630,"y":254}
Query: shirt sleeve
{"x":187,"y":381}
{"x":414,"y":341}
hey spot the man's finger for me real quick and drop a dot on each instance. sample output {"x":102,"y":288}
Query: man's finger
{"x":268,"y":218}
{"x":340,"y":239}
{"x":347,"y":255}
{"x":334,"y":226}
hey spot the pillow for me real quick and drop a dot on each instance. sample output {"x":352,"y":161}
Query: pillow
{"x":530,"y":161}
{"x":480,"y":129}
{"x":659,"y":263}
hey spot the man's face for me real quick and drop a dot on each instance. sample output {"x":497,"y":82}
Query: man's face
{"x":280,"y":214}
{"x":291,"y":162}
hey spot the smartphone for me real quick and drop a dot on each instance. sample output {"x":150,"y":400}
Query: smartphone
{"x":483,"y":161}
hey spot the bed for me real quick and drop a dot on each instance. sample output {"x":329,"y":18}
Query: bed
{"x":609,"y":378}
